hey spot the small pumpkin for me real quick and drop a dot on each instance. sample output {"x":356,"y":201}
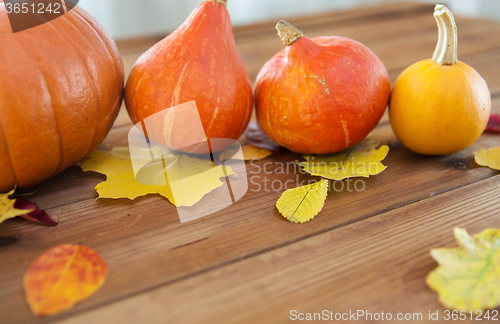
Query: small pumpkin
{"x":320,"y":95}
{"x":61,"y":85}
{"x":440,"y":106}
{"x":197,"y":62}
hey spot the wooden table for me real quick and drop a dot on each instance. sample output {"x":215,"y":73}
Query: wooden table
{"x":246,"y":264}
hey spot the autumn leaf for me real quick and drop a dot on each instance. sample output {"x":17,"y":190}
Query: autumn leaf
{"x":255,"y":136}
{"x":361,"y":160}
{"x":192,"y":178}
{"x":12,"y":207}
{"x":302,"y":204}
{"x":493,"y":124}
{"x":468,"y":277}
{"x":36,"y":215}
{"x":488,"y":158}
{"x":8,"y":208}
{"x":62,"y":277}
{"x":250,"y":152}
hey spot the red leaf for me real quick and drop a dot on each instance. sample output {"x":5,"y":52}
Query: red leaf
{"x":22,"y":203}
{"x":493,"y":124}
{"x":39,"y":216}
{"x":255,"y":136}
{"x":277,"y":155}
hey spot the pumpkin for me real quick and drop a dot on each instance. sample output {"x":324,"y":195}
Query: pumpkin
{"x":440,"y":106}
{"x":61,"y":85}
{"x":197,"y":62}
{"x":320,"y":95}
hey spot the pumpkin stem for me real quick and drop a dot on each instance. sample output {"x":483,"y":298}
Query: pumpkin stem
{"x":446,"y":49}
{"x":221,"y":2}
{"x":288,"y":33}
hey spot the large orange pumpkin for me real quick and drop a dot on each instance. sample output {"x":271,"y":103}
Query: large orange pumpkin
{"x":61,"y":86}
{"x":197,"y":62}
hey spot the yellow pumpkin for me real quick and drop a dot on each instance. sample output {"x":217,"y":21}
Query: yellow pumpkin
{"x":440,"y":106}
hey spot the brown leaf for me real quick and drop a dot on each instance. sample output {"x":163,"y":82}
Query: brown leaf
{"x":62,"y":277}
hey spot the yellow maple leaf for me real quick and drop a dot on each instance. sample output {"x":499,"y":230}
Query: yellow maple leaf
{"x":360,"y":160}
{"x":7,"y":209}
{"x":189,"y":178}
{"x":489,"y":158}
{"x":468,"y":277}
{"x":300,"y":205}
{"x":251,"y":152}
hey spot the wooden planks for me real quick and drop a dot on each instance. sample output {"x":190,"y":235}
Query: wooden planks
{"x":378,"y":264}
{"x":213,"y":268}
{"x":153,"y":236}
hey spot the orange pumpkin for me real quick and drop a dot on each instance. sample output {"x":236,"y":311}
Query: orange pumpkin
{"x":440,"y":106}
{"x":61,"y":86}
{"x":199,"y":61}
{"x":320,"y":95}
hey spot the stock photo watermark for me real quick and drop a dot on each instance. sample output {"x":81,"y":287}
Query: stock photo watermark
{"x":260,"y":175}
{"x":368,"y":316}
{"x":171,"y":149}
{"x":26,"y":14}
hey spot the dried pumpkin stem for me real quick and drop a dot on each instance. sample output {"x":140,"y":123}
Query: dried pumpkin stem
{"x":288,"y":33}
{"x":221,"y":2}
{"x":446,"y":49}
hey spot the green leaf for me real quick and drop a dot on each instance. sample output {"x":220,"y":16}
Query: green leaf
{"x":360,"y":160}
{"x":468,"y":277}
{"x":300,"y":205}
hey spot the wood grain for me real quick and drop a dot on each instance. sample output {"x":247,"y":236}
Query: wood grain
{"x":378,"y":264}
{"x":366,"y":250}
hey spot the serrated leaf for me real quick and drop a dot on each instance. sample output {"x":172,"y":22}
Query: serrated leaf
{"x":7,"y":208}
{"x":360,"y":160}
{"x":488,"y":158}
{"x":468,"y":277}
{"x":196,"y":180}
{"x":300,"y":205}
{"x":62,"y":277}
